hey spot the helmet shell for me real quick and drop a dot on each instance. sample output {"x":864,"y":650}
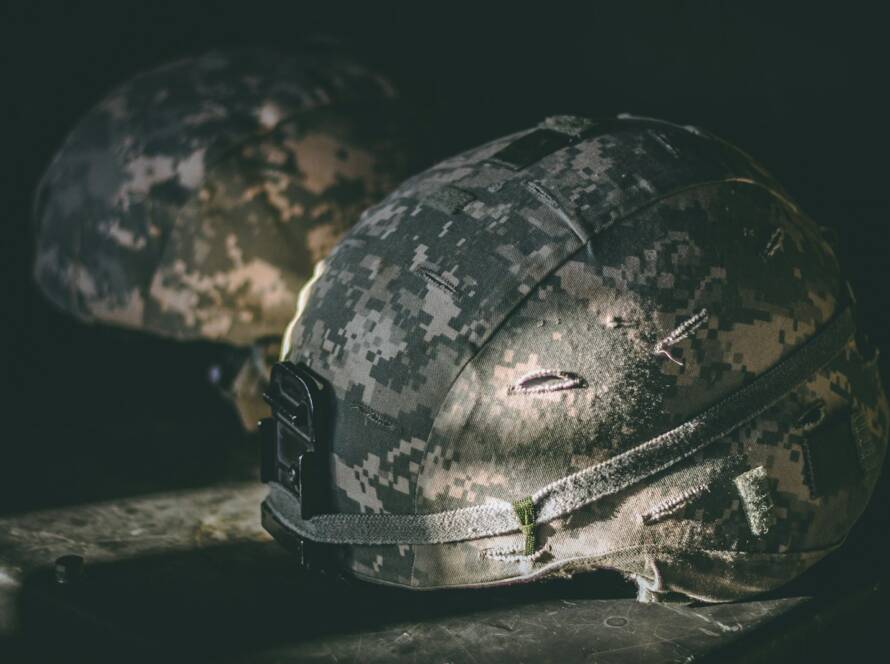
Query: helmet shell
{"x":193,"y":201}
{"x":551,"y":300}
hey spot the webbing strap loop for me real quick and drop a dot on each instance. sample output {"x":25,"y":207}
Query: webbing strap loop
{"x":525,"y":510}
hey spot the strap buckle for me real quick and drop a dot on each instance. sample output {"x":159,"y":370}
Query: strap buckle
{"x":295,"y":438}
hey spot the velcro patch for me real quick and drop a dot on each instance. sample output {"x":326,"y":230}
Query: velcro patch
{"x":531,"y":148}
{"x":831,"y":457}
{"x":757,"y":500}
{"x":449,"y":199}
{"x":867,"y":444}
{"x":568,"y":124}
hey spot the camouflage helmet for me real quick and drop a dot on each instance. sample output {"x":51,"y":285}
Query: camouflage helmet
{"x":592,"y":344}
{"x":193,"y":201}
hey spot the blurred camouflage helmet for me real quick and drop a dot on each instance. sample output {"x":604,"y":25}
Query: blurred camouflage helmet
{"x":612,"y":344}
{"x":193,"y":201}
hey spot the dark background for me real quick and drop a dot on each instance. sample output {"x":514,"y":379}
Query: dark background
{"x":93,"y":412}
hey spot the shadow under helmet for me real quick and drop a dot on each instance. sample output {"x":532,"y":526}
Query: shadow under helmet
{"x":592,"y":344}
{"x":195,"y":199}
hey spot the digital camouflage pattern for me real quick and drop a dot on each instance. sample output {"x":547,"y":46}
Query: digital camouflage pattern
{"x":550,"y":300}
{"x":194,"y":200}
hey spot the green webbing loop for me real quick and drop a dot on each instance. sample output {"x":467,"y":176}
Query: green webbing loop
{"x":525,"y":510}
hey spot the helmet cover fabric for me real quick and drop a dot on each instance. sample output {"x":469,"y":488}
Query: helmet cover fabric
{"x":547,"y":307}
{"x":194,"y":200}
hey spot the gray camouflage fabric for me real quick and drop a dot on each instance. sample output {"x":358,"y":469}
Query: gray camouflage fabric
{"x":194,"y":200}
{"x":541,"y":305}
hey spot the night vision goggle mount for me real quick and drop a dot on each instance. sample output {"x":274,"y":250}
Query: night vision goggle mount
{"x":296,"y":452}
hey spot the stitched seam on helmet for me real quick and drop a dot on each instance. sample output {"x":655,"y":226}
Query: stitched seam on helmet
{"x":773,"y":244}
{"x":540,"y":192}
{"x":671,"y":506}
{"x":805,"y":424}
{"x":682,"y":331}
{"x":436,"y":280}
{"x":562,"y":380}
{"x":507,"y":555}
{"x":373,"y":416}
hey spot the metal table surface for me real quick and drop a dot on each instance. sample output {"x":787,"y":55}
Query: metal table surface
{"x":191,"y":576}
